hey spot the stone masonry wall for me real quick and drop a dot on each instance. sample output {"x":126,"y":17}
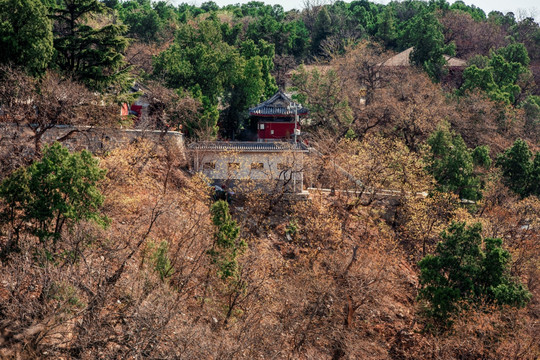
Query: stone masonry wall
{"x":96,"y":140}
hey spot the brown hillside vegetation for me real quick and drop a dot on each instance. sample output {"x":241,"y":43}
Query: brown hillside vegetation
{"x":403,"y":221}
{"x":357,"y":92}
{"x":326,"y":278}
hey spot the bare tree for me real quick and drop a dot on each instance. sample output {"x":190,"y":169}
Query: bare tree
{"x":42,"y":104}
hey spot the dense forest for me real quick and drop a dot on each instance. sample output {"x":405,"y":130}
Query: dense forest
{"x":128,"y":253}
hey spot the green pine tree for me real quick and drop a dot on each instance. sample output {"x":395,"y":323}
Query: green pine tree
{"x":426,"y":37}
{"x":452,"y":164}
{"x":202,"y":62}
{"x":91,"y":54}
{"x":58,"y":190}
{"x":498,"y":76}
{"x":227,"y":245}
{"x":520,"y":172}
{"x":467,"y":270}
{"x":26,"y":36}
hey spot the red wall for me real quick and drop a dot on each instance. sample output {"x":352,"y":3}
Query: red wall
{"x":282,"y":130}
{"x":125,"y":110}
{"x":137,"y":109}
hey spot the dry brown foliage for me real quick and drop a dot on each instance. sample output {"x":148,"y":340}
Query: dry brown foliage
{"x":321,"y":279}
{"x":471,"y":37}
{"x":167,"y":110}
{"x":333,"y":276}
{"x":41,"y":104}
{"x":103,"y":297}
{"x":481,"y":121}
{"x":423,"y":219}
{"x":416,"y":106}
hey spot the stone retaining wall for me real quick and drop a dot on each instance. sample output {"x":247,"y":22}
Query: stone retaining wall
{"x":95,"y":140}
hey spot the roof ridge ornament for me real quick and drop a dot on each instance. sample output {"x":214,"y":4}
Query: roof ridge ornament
{"x":274,"y":106}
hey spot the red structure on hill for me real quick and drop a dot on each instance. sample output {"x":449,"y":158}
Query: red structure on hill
{"x":276,"y":118}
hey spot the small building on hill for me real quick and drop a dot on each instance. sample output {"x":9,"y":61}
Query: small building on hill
{"x":403,"y":59}
{"x":455,"y":66}
{"x":265,"y":164}
{"x":277,"y":118}
{"x":139,"y":108}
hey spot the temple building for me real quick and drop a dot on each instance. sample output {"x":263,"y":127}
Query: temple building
{"x":277,"y":118}
{"x":455,"y":66}
{"x":229,"y":164}
{"x":275,"y":162}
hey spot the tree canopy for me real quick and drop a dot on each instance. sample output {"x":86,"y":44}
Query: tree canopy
{"x":452,"y":164}
{"x":202,"y":61}
{"x":467,"y":269}
{"x":26,"y":35}
{"x":424,"y":33}
{"x":500,"y":75}
{"x":519,"y":170}
{"x":57,"y":190}
{"x":89,"y":52}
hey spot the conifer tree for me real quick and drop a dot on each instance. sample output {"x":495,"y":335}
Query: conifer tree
{"x":425,"y":35}
{"x":59,"y":189}
{"x":520,"y":172}
{"x":25,"y":35}
{"x":467,"y":270}
{"x":203,"y":63}
{"x":499,"y":76}
{"x":452,"y":164}
{"x":87,"y":52}
{"x":227,"y":247}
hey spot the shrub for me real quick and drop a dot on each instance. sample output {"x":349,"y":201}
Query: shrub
{"x":59,"y":189}
{"x":462,"y":271}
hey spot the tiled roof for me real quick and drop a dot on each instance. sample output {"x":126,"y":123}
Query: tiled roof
{"x":403,"y":59}
{"x":278,"y":105}
{"x":455,"y":62}
{"x":250,"y":146}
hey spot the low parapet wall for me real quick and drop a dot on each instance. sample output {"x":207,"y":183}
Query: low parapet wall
{"x":104,"y":139}
{"x":95,"y":139}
